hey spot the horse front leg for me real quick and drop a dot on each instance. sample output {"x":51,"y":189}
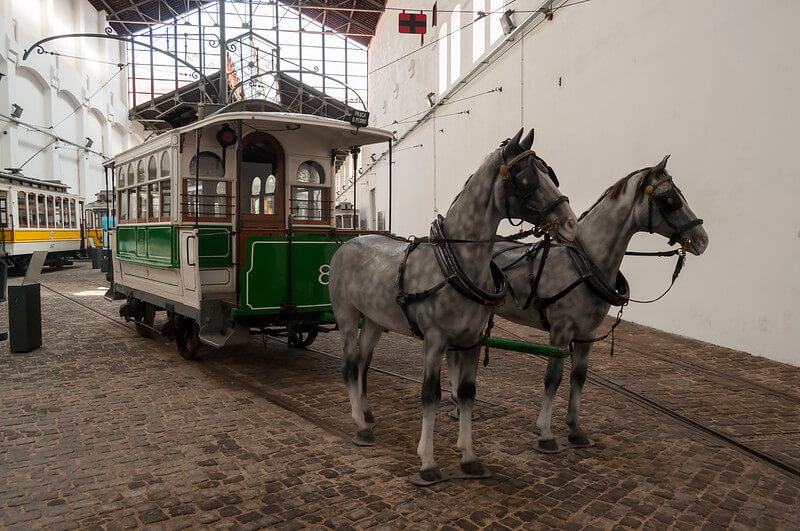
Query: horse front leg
{"x":580,"y":364}
{"x":434,"y":347}
{"x":465,"y":367}
{"x":552,"y":378}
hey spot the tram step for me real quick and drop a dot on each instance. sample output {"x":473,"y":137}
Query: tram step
{"x":239,"y":335}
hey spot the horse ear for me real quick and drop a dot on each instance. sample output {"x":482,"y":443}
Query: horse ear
{"x":512,"y":148}
{"x":527,"y":142}
{"x":658,"y":168}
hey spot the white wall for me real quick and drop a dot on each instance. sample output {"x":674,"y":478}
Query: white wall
{"x":58,"y":92}
{"x":714,"y":83}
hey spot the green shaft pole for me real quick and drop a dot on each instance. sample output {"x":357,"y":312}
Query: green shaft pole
{"x":529,"y":348}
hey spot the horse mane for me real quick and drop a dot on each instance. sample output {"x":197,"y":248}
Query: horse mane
{"x":616,"y":189}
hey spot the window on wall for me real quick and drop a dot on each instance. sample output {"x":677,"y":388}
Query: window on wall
{"x":310,"y":196}
{"x":478,"y":31}
{"x":443,"y":57}
{"x":495,"y":29}
{"x":455,"y":43}
{"x":22,"y":209}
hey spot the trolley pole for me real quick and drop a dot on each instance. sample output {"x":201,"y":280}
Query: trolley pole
{"x":223,"y":56}
{"x":354,"y":151}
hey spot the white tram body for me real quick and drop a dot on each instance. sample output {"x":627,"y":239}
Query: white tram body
{"x":38,"y":215}
{"x":228,"y":224}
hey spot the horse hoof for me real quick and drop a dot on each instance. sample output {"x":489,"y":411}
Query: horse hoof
{"x":364,"y":438}
{"x":430,"y":476}
{"x":549,"y":446}
{"x":454,"y":414}
{"x":369,"y":418}
{"x":579,"y":440}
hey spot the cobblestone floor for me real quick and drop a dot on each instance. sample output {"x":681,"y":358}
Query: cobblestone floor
{"x":101,"y":428}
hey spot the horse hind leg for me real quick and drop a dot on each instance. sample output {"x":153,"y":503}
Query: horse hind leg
{"x":370,"y":334}
{"x":347,"y":318}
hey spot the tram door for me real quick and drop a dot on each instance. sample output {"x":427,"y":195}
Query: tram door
{"x":261,"y":201}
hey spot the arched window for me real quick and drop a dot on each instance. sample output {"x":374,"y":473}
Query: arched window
{"x":269,"y":195}
{"x":131,"y":180}
{"x":310,"y":200}
{"x":152,"y":172}
{"x":443,"y":57}
{"x":310,"y":172}
{"x":140,"y":172}
{"x":478,"y":31}
{"x":165,"y":164}
{"x":255,"y":196}
{"x":210,"y":165}
{"x":455,"y":44}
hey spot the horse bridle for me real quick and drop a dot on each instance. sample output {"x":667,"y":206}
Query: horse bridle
{"x":668,"y":202}
{"x":525,"y":183}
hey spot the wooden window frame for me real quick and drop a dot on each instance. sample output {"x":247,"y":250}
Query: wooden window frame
{"x":58,"y":212}
{"x":161,"y":199}
{"x":138,"y":202}
{"x":44,"y":210}
{"x":189,"y":216}
{"x":326,"y":220}
{"x":51,"y":212}
{"x":149,"y":201}
{"x":20,"y":206}
{"x":35,"y":214}
{"x":73,"y":214}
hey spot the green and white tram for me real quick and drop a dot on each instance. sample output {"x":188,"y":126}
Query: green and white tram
{"x":228,"y":225}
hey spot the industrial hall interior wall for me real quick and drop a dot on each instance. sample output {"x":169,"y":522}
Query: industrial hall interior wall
{"x":611,"y":86}
{"x":53,"y":93}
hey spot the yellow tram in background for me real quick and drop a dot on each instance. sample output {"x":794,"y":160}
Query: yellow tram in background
{"x":38,"y":215}
{"x":95,"y":222}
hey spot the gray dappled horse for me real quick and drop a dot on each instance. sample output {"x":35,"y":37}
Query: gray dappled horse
{"x":365,"y":281}
{"x":645,"y":200}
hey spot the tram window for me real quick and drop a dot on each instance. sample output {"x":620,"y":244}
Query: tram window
{"x":89,"y":221}
{"x":98,"y":219}
{"x":41,"y":211}
{"x":22,"y":209}
{"x":310,"y":172}
{"x":123,"y":205}
{"x":255,"y":196}
{"x":269,"y":195}
{"x":309,"y":203}
{"x":152,"y":172}
{"x":59,"y":222}
{"x":3,"y":211}
{"x":211,"y":202}
{"x":131,"y":180}
{"x":210,"y":166}
{"x":50,"y":212}
{"x":73,"y":219}
{"x":32,"y":210}
{"x":140,"y":172}
{"x":120,"y":178}
{"x":142,"y":201}
{"x":166,"y":197}
{"x":153,"y":207}
{"x":165,"y":164}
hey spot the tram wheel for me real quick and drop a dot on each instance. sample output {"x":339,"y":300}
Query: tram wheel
{"x":302,"y":339}
{"x":187,"y":337}
{"x":144,"y":318}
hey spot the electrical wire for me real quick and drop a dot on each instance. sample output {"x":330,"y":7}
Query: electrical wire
{"x":465,"y":26}
{"x":86,"y":100}
{"x":40,"y":150}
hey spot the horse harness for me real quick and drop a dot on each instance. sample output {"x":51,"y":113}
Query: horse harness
{"x":523,"y":185}
{"x":667,"y":202}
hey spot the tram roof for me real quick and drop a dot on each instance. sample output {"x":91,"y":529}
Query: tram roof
{"x":18,"y":178}
{"x":340,"y":134}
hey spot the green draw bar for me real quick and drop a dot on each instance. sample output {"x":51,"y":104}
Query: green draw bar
{"x":528,"y":348}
